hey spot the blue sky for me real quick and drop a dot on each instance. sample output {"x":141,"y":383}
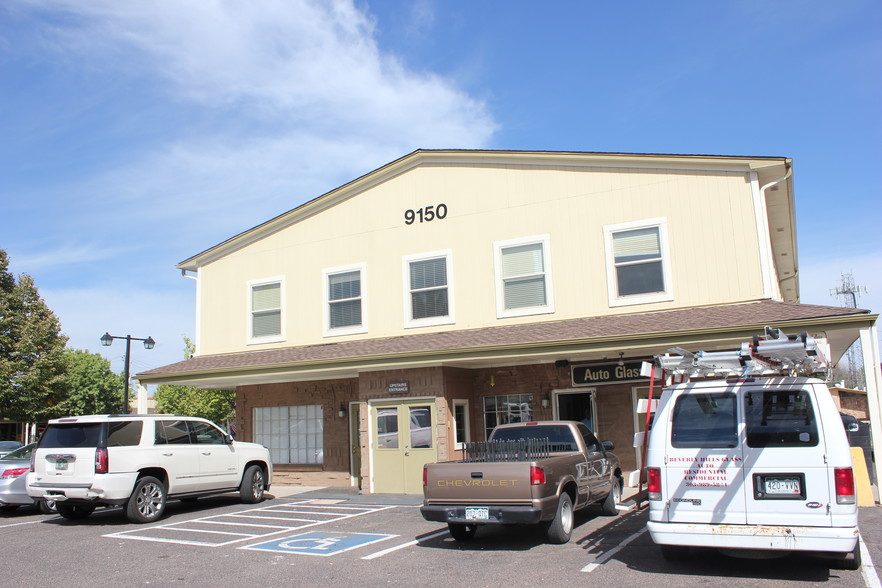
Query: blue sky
{"x":138,"y":134}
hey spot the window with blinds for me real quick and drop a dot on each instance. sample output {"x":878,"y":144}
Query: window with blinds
{"x":344,"y":299}
{"x":428,"y":288}
{"x":523,"y":277}
{"x":637,"y":262}
{"x":266,"y":310}
{"x":293,"y":434}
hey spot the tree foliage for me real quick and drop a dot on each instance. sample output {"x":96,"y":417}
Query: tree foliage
{"x":214,"y":405}
{"x":32,"y":362}
{"x":91,"y":386}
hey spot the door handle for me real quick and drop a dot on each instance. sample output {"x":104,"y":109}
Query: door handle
{"x":168,"y":454}
{"x":407,"y":453}
{"x":206,"y":453}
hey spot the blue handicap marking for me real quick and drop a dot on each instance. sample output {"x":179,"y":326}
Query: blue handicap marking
{"x":319,"y":543}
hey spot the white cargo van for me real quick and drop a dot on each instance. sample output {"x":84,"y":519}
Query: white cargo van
{"x":751,"y":464}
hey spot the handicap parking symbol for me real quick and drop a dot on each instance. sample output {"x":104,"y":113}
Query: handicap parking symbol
{"x":319,"y":543}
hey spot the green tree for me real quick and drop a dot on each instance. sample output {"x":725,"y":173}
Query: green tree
{"x":32,"y":363}
{"x":214,"y":405}
{"x":91,"y":386}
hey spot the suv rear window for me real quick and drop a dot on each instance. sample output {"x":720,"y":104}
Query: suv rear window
{"x":72,"y":435}
{"x":780,"y":418}
{"x":705,"y":420}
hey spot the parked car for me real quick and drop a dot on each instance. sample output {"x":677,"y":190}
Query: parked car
{"x":13,"y":481}
{"x":140,"y":461}
{"x":536,"y":473}
{"x":7,"y":446}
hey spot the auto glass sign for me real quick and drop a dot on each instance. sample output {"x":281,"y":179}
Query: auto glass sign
{"x":606,"y":373}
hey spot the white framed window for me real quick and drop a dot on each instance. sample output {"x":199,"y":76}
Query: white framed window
{"x":266,"y":313}
{"x":344,"y":297}
{"x":293,"y":434}
{"x":505,"y":409}
{"x":461,"y":425}
{"x":523,"y":277}
{"x":637,"y":262}
{"x":428,"y":289}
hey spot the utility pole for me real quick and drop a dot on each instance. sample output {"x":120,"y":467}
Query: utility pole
{"x":848,"y":292}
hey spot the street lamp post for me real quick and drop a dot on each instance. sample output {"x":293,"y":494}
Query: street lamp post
{"x":106,"y":340}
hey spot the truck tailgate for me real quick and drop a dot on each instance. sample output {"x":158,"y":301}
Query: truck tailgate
{"x":473,"y":483}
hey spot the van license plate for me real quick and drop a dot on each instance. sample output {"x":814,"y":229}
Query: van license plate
{"x":477,"y":513}
{"x":782,"y":486}
{"x":60,"y":464}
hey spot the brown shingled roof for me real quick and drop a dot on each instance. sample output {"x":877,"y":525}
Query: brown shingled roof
{"x":584,"y":330}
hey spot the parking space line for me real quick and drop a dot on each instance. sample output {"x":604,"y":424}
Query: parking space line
{"x":403,"y":545}
{"x":600,"y":560}
{"x":261,"y":515}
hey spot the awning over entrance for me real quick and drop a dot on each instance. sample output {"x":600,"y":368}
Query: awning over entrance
{"x":584,"y":339}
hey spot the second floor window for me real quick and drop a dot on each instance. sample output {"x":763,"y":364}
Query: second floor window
{"x":344,"y":300}
{"x":637,"y":262}
{"x":266,"y":311}
{"x":428,"y":290}
{"x":523,"y":277}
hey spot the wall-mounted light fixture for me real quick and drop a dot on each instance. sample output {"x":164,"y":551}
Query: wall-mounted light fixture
{"x":621,"y":358}
{"x":562,"y":363}
{"x":544,"y":401}
{"x":342,"y":412}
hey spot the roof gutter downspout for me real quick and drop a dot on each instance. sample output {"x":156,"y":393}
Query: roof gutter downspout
{"x":766,"y":236}
{"x":198,"y":306}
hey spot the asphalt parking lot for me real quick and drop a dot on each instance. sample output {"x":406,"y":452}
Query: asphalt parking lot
{"x":313,"y":537}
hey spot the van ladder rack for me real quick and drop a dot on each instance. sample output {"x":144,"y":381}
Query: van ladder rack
{"x":773,"y":354}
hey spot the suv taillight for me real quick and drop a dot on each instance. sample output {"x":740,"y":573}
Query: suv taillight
{"x":537,"y":476}
{"x":100,"y":461}
{"x":844,"y":479}
{"x":653,"y":484}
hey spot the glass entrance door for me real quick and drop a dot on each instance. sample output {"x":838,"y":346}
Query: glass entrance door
{"x":576,"y":405}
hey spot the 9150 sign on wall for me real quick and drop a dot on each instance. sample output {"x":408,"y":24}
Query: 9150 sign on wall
{"x":425,"y":214}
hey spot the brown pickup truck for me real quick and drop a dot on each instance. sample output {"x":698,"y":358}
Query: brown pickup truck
{"x":528,"y":473}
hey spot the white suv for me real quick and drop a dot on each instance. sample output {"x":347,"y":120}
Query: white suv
{"x":139,"y":462}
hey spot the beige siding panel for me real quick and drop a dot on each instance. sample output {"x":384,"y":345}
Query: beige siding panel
{"x":710,"y":226}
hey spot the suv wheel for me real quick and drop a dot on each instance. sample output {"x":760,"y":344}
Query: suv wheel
{"x":251,"y":489}
{"x":147,"y":502}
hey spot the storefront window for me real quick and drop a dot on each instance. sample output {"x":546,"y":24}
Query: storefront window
{"x":293,"y":434}
{"x":509,"y":408}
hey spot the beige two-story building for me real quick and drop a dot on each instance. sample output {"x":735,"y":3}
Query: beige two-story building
{"x":382,"y":325}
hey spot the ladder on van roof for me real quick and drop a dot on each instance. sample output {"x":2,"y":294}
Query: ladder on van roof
{"x":773,"y":354}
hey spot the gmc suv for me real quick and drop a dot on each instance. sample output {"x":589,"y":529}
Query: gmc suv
{"x":141,"y":461}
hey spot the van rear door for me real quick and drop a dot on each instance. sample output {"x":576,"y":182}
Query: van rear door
{"x":786,"y":479}
{"x":703,"y":477}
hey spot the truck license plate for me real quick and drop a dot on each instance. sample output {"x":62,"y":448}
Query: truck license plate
{"x":473,"y":513}
{"x":782,"y":486}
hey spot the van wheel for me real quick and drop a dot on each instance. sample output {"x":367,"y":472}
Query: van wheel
{"x":613,"y":498}
{"x":251,"y":489}
{"x":74,"y":512}
{"x":674,"y":552}
{"x":851,"y":561}
{"x":147,"y":502}
{"x":560,"y":529}
{"x":462,"y":532}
